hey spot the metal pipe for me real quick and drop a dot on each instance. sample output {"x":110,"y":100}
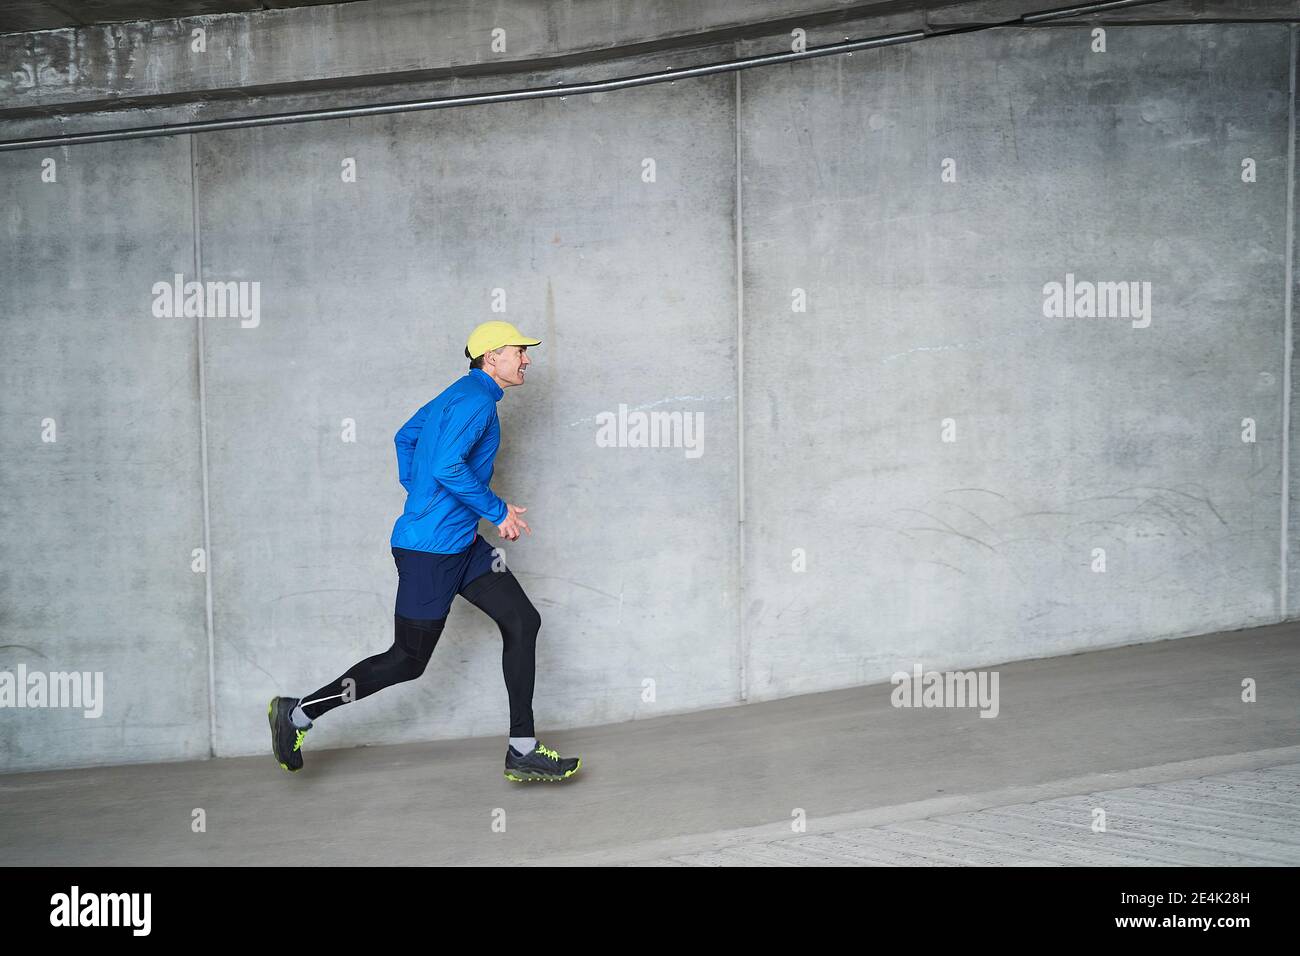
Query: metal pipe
{"x":1072,"y":11}
{"x":564,"y":89}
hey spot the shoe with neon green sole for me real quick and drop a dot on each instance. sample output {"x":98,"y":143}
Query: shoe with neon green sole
{"x":286,"y":739}
{"x":542,"y":764}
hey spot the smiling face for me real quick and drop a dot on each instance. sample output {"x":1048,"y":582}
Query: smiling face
{"x":509,"y":366}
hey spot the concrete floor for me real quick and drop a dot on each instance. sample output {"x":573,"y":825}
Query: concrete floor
{"x":723,"y":785}
{"x":1246,"y":818}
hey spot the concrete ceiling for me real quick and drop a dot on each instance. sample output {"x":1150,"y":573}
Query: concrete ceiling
{"x":22,"y":16}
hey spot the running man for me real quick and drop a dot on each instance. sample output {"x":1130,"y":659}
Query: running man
{"x":444,"y":461}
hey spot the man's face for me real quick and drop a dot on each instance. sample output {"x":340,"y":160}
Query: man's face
{"x":510,"y":365}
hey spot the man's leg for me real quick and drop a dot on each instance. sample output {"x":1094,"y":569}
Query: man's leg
{"x":426,"y":584}
{"x":413,"y":644}
{"x":425,"y":587}
{"x":499,"y":595}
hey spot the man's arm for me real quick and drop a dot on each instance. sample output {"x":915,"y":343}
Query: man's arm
{"x":464,"y":427}
{"x":405,"y":440}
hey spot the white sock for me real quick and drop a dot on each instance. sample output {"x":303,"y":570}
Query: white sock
{"x":299,"y":717}
{"x":524,"y":745}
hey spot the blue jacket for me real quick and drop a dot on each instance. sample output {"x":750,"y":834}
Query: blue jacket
{"x":444,"y":461}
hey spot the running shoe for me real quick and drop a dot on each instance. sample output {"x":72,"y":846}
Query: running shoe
{"x":542,"y":763}
{"x":286,"y":739}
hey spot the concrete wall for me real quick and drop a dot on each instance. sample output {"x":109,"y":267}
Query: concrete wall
{"x":392,"y":39}
{"x":924,"y":303}
{"x":100,"y":474}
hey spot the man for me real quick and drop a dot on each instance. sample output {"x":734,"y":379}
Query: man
{"x":444,"y":461}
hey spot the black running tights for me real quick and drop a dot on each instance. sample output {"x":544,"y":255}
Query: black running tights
{"x":499,"y":595}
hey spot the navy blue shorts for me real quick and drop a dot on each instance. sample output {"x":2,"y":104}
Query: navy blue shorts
{"x":426,"y":582}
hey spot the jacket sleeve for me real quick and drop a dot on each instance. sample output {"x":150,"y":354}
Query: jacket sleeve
{"x":465,"y":425}
{"x":405,"y":440}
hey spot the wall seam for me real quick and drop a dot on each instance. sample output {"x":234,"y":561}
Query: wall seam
{"x":203,"y":454}
{"x":1288,"y":343}
{"x":741,"y":638}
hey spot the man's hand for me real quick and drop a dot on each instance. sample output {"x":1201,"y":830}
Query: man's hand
{"x":513,"y":524}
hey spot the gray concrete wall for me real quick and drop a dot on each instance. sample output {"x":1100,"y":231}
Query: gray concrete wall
{"x":924,"y":304}
{"x":100,"y":471}
{"x":392,"y":39}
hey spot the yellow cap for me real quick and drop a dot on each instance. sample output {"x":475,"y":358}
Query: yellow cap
{"x":493,"y":335}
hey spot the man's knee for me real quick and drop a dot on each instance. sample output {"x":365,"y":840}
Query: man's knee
{"x":532,"y":619}
{"x":520,"y":624}
{"x":413,"y":643}
{"x":528,"y":617}
{"x":501,"y":597}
